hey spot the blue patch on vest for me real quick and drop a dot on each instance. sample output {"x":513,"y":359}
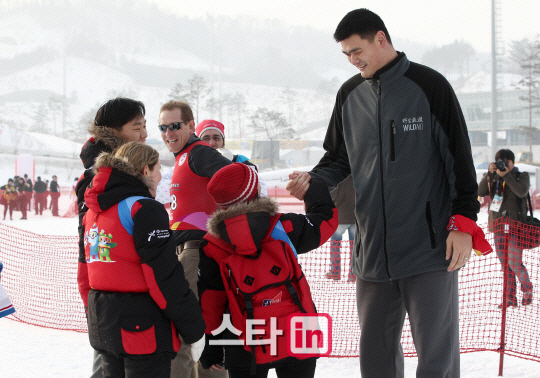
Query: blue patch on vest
{"x":124,"y":212}
{"x":278,"y":233}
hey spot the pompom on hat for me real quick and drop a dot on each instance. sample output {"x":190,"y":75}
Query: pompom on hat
{"x":210,"y":124}
{"x":233,"y":184}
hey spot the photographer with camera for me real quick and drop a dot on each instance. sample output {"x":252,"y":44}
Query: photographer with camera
{"x":507,"y":188}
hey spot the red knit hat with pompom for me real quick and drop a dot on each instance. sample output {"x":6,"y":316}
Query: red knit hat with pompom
{"x":232,"y":184}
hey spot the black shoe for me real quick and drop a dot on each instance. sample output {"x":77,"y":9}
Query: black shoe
{"x":527,"y":298}
{"x":509,"y":303}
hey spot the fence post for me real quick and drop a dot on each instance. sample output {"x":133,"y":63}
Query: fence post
{"x":504,"y":261}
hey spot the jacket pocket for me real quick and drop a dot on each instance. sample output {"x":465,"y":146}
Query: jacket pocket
{"x":430,"y":225}
{"x":138,"y":335}
{"x":392,"y":140}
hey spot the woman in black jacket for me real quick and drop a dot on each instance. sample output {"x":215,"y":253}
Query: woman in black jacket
{"x":132,"y":282}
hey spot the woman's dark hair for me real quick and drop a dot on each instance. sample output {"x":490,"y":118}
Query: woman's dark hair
{"x":363,"y":22}
{"x":505,"y":155}
{"x":117,"y":112}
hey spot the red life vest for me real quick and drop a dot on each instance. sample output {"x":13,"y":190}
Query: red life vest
{"x":112,"y":261}
{"x":191,"y":205}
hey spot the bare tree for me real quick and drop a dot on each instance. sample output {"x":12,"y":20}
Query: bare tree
{"x":289,"y":96}
{"x":196,"y":89}
{"x":40,"y":117}
{"x":527,"y":55}
{"x":327,"y":90}
{"x":274,"y":126}
{"x":236,"y":104}
{"x":15,"y":134}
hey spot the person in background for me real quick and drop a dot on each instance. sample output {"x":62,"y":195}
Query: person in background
{"x":40,"y":199}
{"x":47,"y":195}
{"x":398,"y":129}
{"x":507,"y":189}
{"x":343,"y":197}
{"x":29,"y":182}
{"x":191,"y":205}
{"x":117,"y":121}
{"x":213,"y":133}
{"x":55,"y":194}
{"x":25,"y":193}
{"x":6,"y":307}
{"x":137,"y":297}
{"x":9,"y":193}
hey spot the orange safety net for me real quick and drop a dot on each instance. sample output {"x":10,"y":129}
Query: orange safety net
{"x":40,"y":276}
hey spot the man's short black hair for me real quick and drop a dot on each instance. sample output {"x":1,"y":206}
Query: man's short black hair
{"x":117,"y":112}
{"x":505,"y":154}
{"x":363,"y":22}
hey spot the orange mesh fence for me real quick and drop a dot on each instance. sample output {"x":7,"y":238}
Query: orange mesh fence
{"x":40,"y":278}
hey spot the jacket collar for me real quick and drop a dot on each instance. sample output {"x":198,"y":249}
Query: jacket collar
{"x":392,"y":71}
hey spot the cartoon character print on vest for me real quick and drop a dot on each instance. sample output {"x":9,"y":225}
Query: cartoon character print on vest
{"x":91,"y":238}
{"x":105,"y":244}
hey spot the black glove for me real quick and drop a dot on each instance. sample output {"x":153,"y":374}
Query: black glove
{"x":212,"y":354}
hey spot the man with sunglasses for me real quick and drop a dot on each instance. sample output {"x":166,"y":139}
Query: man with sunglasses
{"x":191,"y":205}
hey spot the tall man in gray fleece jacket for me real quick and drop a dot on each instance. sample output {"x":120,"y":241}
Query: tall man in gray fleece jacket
{"x":398,"y":129}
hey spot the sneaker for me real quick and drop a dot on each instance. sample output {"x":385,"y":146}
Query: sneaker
{"x":333,"y":276}
{"x":527,"y":298}
{"x":509,"y":303}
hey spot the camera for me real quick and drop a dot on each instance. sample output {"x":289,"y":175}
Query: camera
{"x":501,"y":165}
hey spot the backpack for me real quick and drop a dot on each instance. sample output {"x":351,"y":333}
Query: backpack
{"x":268,"y":285}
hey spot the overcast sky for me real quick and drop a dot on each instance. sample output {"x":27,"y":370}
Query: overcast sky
{"x":433,"y":22}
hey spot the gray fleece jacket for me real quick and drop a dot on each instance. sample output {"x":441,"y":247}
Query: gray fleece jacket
{"x":403,"y":138}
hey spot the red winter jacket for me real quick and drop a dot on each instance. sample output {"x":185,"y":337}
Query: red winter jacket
{"x":245,"y":226}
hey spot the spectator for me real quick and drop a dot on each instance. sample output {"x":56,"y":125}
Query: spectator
{"x":343,"y":197}
{"x":55,"y":194}
{"x":25,"y":192}
{"x":507,"y":189}
{"x":29,"y":182}
{"x":9,"y":193}
{"x":40,"y":199}
{"x":213,"y":133}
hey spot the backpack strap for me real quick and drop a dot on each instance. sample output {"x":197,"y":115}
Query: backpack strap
{"x":124,"y":212}
{"x":294,"y":295}
{"x":278,"y":233}
{"x":249,"y":311}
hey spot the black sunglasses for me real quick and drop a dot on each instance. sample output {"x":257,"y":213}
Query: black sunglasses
{"x":173,"y":127}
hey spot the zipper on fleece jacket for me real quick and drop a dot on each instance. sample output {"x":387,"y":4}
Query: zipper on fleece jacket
{"x":392,"y":140}
{"x":381,"y":173}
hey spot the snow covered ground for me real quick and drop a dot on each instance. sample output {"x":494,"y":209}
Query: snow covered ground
{"x":28,"y":351}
